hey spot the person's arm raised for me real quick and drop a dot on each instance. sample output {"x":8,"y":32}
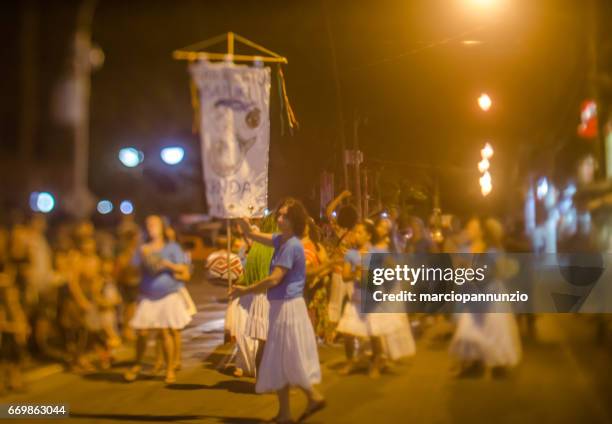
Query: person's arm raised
{"x":334,"y":204}
{"x":258,"y":236}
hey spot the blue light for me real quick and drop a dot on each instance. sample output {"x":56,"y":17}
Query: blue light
{"x":542,"y":189}
{"x":105,"y":207}
{"x":172,"y":155}
{"x":334,"y":214}
{"x":45,"y":202}
{"x":385,"y":215}
{"x":130,"y":157}
{"x":126,"y":207}
{"x":266,"y":212}
{"x":33,"y":200}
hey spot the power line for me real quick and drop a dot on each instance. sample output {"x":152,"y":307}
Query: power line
{"x":431,"y":45}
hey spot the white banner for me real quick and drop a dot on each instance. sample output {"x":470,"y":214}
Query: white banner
{"x":235,"y":136}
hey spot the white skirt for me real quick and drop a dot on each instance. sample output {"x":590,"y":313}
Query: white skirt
{"x":358,"y":324}
{"x":290,"y":357}
{"x":339,"y":289}
{"x":247,"y":347}
{"x":495,"y":340}
{"x":168,"y":312}
{"x":191,"y":307}
{"x":236,"y":316}
{"x":399,"y":343}
{"x":353,"y":322}
{"x":257,"y":323}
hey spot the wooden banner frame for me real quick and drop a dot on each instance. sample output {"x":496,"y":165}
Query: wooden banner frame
{"x":194,"y":51}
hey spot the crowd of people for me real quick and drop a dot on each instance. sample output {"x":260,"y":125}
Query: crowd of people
{"x":76,"y":293}
{"x":295,"y":284}
{"x":299,"y":284}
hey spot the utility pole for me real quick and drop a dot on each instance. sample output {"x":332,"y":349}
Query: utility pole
{"x":339,"y":112}
{"x":29,"y":91}
{"x":357,"y":157}
{"x":366,"y":191}
{"x":81,"y":202}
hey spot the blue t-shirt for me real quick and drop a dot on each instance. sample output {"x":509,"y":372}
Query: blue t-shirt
{"x":288,"y":255}
{"x":154,"y":286}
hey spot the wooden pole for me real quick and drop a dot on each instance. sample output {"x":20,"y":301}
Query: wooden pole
{"x":230,"y":43}
{"x":229,"y":254}
{"x":194,"y":51}
{"x":230,"y":52}
{"x":191,"y":56}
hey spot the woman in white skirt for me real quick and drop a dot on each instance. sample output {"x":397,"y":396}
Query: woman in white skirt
{"x":491,"y":339}
{"x":184,"y":275}
{"x":354,"y":324}
{"x":394,"y":328}
{"x":389,"y":333}
{"x":161,"y":306}
{"x":290,"y":357}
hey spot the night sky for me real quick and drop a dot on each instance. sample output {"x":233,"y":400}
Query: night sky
{"x":402,"y":68}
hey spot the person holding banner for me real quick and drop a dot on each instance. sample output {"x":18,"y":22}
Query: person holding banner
{"x":290,"y":357}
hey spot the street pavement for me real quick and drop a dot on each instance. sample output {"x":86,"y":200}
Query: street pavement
{"x":565,"y":377}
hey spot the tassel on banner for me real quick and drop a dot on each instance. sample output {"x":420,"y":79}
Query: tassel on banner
{"x":195,"y":104}
{"x":293,"y":123}
{"x":281,"y":103}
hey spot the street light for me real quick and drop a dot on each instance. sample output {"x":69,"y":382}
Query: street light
{"x":485,"y":6}
{"x":486,"y":185}
{"x":484,"y":102}
{"x":485,"y":180}
{"x":172,"y":155}
{"x":42,"y":202}
{"x":105,"y":207}
{"x":487,"y":151}
{"x":483,"y":165}
{"x":126,"y":207}
{"x":483,"y":3}
{"x":130,"y":157}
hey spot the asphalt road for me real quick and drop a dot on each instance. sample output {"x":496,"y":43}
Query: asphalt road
{"x":565,"y":377}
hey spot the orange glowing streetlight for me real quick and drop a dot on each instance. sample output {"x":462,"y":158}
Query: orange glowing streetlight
{"x":483,"y":165}
{"x":483,"y":3}
{"x":487,"y":151}
{"x":485,"y":102}
{"x":486,"y":184}
{"x":485,"y":180}
{"x":484,"y":6}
